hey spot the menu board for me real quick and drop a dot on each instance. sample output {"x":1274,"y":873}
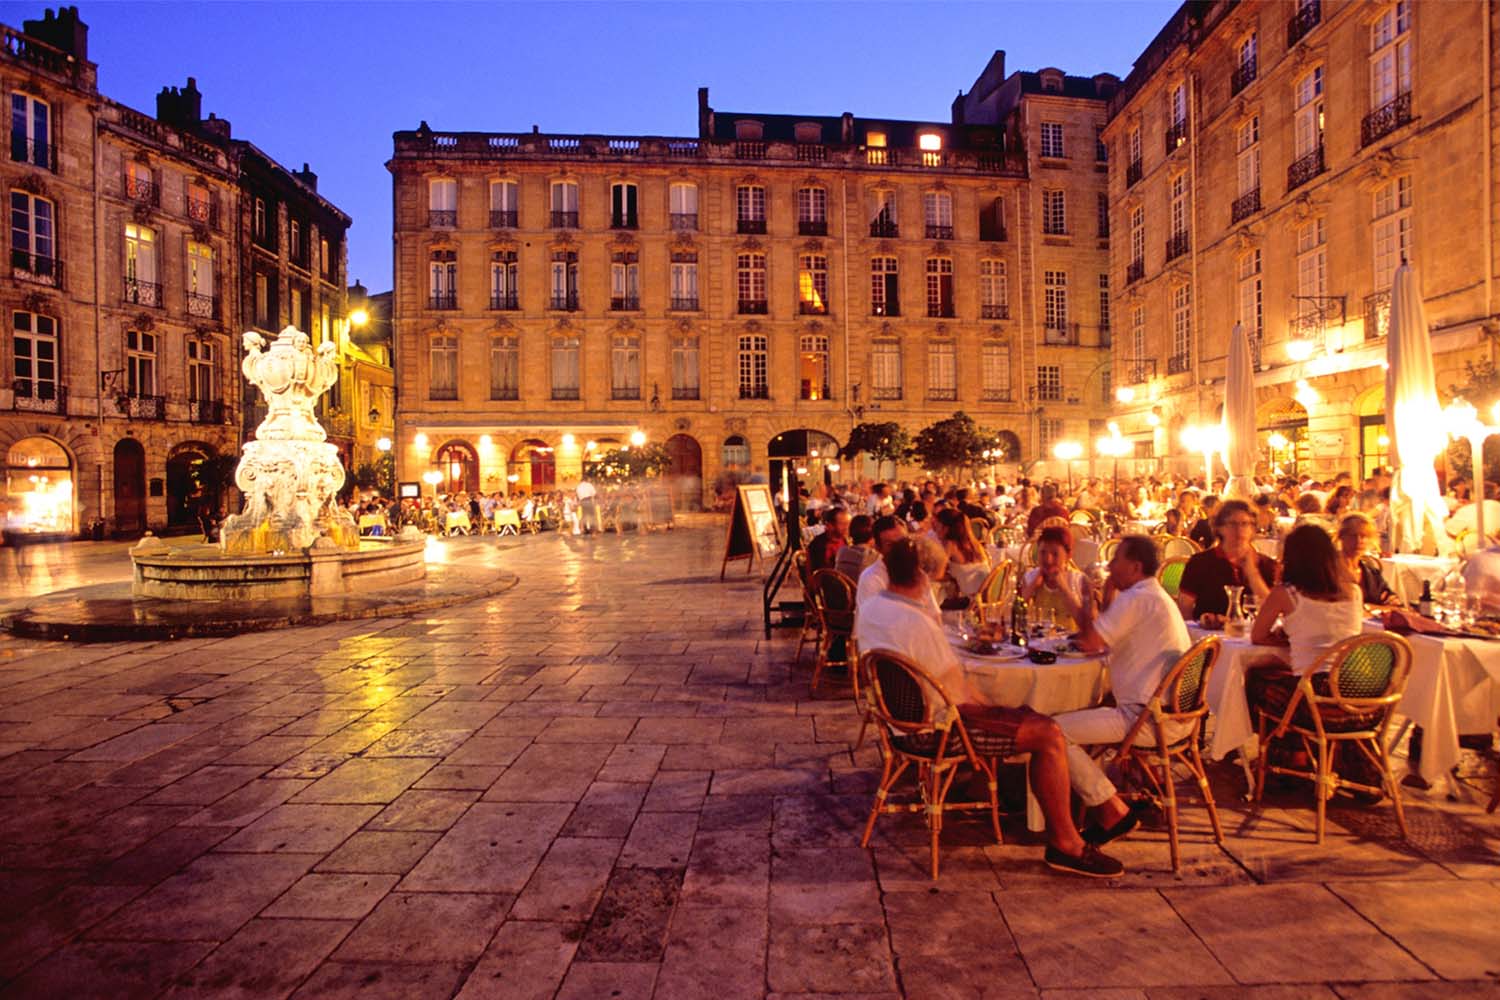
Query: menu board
{"x":754,"y":528}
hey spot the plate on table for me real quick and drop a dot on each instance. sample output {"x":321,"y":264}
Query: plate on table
{"x":992,"y":650}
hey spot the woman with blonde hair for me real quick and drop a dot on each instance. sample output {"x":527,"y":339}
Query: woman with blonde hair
{"x":967,"y":561}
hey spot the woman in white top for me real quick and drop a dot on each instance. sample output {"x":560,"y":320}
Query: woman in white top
{"x":1318,"y":604}
{"x":968,"y":563}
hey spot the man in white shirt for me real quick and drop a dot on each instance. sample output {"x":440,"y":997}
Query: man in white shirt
{"x":899,"y":619}
{"x":1144,"y":634}
{"x":588,"y":511}
{"x":888,"y":530}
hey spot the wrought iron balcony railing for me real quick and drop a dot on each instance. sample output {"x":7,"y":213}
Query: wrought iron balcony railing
{"x":1245,"y":206}
{"x":36,"y":396}
{"x":624,"y":303}
{"x":1133,"y":173}
{"x":1377,"y":314}
{"x":812,"y":227}
{"x":142,"y":293}
{"x":36,"y":269}
{"x":1179,"y":363}
{"x":1305,"y":168}
{"x":939,"y":232}
{"x":566,"y":303}
{"x":442,"y":300}
{"x":24,"y":149}
{"x":1177,"y":245}
{"x":751,"y":226}
{"x":997,"y":395}
{"x":626,"y":220}
{"x":1135,"y":271}
{"x":1177,"y":135}
{"x":885,"y":393}
{"x":625,"y":392}
{"x":1308,"y":16}
{"x":1385,"y":119}
{"x":501,"y":393}
{"x":442,"y":218}
{"x":755,"y":392}
{"x":203,"y":306}
{"x":503,"y":218}
{"x":940,"y":310}
{"x":941,"y":393}
{"x":890,"y":307}
{"x":809,"y":308}
{"x":206,"y":411}
{"x":505,"y":301}
{"x":683,"y":222}
{"x":685,"y":303}
{"x":564,"y":220}
{"x":752,"y":307}
{"x":1243,"y":75}
{"x":142,"y":190}
{"x":205,"y":211}
{"x":884,"y":229}
{"x":684,"y":392}
{"x":142,"y":407}
{"x":441,"y":392}
{"x":994,"y":310}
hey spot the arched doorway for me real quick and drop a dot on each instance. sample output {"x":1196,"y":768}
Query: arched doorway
{"x":1281,"y":431}
{"x":39,"y":488}
{"x":1010,"y":446}
{"x":459,"y":465}
{"x":130,"y":487}
{"x":806,"y":449}
{"x":191,"y":485}
{"x":1374,"y":440}
{"x":533,"y":467}
{"x":685,"y":474}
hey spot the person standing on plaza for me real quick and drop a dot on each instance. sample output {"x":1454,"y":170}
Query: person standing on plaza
{"x":588,"y":509}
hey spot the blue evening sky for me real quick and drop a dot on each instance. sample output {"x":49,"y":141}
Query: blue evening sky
{"x":327,"y":83}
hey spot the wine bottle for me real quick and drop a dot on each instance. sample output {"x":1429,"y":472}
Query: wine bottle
{"x":1018,"y":623}
{"x":1424,"y":603}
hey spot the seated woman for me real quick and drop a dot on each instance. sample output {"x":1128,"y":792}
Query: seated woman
{"x":1357,"y":539}
{"x":968,"y":564}
{"x":1318,"y":604}
{"x":1043,"y":585}
{"x":1232,"y":562}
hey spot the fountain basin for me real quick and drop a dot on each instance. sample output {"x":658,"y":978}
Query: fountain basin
{"x":199,"y":572}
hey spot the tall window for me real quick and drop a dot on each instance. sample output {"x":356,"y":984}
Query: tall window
{"x":1179,"y":206}
{"x":325,"y":324}
{"x":1101,"y":151}
{"x":1049,"y":383}
{"x":753,"y":367}
{"x":812,"y":211}
{"x":812,"y":284}
{"x":34,"y":349}
{"x":994,"y":290}
{"x":939,"y":286}
{"x":1134,"y":143}
{"x":1247,"y":155}
{"x":1101,"y":215}
{"x":296,"y":242}
{"x":1055,"y":300}
{"x":684,"y":280}
{"x":202,"y":372}
{"x":1052,"y":140}
{"x":565,"y":367}
{"x":992,"y":221}
{"x":564,"y":202}
{"x":1308,"y":124}
{"x":1391,"y":230}
{"x":505,"y":367}
{"x":682,"y":206}
{"x":1138,"y":344}
{"x":260,"y":223}
{"x":140,"y":183}
{"x":885,"y":291}
{"x":1312,"y":278}
{"x":622,"y":206}
{"x":750,"y":281}
{"x":812,"y":367}
{"x":442,"y":202}
{"x":1182,"y":328}
{"x":1251,"y":316}
{"x":1049,"y":431}
{"x":885,"y":369}
{"x":625,"y":367}
{"x":685,"y":368}
{"x":1137,"y":242}
{"x":1104,"y":308}
{"x":141,"y":287}
{"x":200,"y":280}
{"x":140,"y":363}
{"x":33,"y":247}
{"x":200,"y":208}
{"x":265,"y":302}
{"x":1055,"y":213}
{"x":750,"y":208}
{"x":942,"y":370}
{"x":1245,"y":58}
{"x":31,"y":130}
{"x":443,"y":380}
{"x":624,"y":280}
{"x":296,"y":303}
{"x":884,"y":221}
{"x":937,"y":211}
{"x":505,"y":287}
{"x":994,"y":366}
{"x":442,"y":280}
{"x":565,"y":280}
{"x":505,"y":204}
{"x":1177,"y":106}
{"x":1390,"y":55}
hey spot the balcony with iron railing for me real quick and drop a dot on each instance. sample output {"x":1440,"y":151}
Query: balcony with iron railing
{"x":755,"y":392}
{"x":206,"y":411}
{"x":624,"y":220}
{"x":203,"y":211}
{"x":442,"y":218}
{"x":1177,"y":135}
{"x":139,"y":189}
{"x":202,"y":306}
{"x":1177,"y":245}
{"x":1305,"y":168}
{"x":564,"y":303}
{"x":1135,"y":271}
{"x":35,"y":268}
{"x":684,"y":303}
{"x":442,"y":300}
{"x":503,"y":218}
{"x":890,"y":307}
{"x":624,"y":303}
{"x":753,"y":307}
{"x":940,"y":310}
{"x":994,"y":310}
{"x":884,"y":229}
{"x":996,"y":395}
{"x":141,"y":407}
{"x":1063,"y":335}
{"x":1134,"y":171}
{"x":685,"y":392}
{"x":505,"y":301}
{"x":1243,"y":75}
{"x":1377,"y":310}
{"x":142,"y":293}
{"x":942,"y":393}
{"x":36,"y":396}
{"x":1385,"y":119}
{"x":935,"y":232}
{"x":1179,"y":363}
{"x":1307,"y":17}
{"x":1245,"y":206}
{"x":564,"y":220}
{"x":24,"y":149}
{"x":812,"y":307}
{"x":683,"y":222}
{"x":812,"y":227}
{"x":753,"y":227}
{"x":625,"y":392}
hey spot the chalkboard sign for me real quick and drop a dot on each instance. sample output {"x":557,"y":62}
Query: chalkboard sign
{"x":754,"y":529}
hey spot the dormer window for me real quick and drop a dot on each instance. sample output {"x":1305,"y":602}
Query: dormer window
{"x":930,"y":142}
{"x":749,"y":131}
{"x":1052,"y":80}
{"x":808,"y":132}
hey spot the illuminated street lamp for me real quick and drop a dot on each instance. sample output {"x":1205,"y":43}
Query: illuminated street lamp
{"x":1113,"y":446}
{"x":432,"y":477}
{"x":1067,"y":451}
{"x":1204,"y":441}
{"x":1275,"y":443}
{"x":638,"y":438}
{"x":383,"y":445}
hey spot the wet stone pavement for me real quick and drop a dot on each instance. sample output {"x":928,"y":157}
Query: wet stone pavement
{"x":604,"y":783}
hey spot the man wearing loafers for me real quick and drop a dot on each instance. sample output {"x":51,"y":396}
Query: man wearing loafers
{"x":1144,"y":634}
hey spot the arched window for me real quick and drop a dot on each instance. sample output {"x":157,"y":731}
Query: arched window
{"x":735,"y":453}
{"x":39,"y":478}
{"x":459,"y":465}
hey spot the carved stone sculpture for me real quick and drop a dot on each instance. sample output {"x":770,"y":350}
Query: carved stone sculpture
{"x":290,"y":474}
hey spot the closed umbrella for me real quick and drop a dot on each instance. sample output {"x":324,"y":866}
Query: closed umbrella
{"x":1415,"y":419}
{"x":1239,"y":418}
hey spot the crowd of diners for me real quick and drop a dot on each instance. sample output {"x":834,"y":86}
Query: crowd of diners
{"x":911,"y":550}
{"x":588,"y":509}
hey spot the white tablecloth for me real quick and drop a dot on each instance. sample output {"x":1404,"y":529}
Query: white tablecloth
{"x":1406,"y":573}
{"x":1454,"y":688}
{"x":1065,"y":686}
{"x":1269,"y":547}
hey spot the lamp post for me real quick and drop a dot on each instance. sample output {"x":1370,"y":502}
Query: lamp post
{"x":432,"y":477}
{"x":1113,"y":446}
{"x":1204,"y":441}
{"x":1067,"y":451}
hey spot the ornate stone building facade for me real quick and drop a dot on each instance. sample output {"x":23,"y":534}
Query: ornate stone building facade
{"x":747,"y":295}
{"x":1272,"y":164}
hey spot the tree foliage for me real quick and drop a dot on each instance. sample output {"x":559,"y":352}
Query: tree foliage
{"x":954,"y":443}
{"x":884,"y":442}
{"x":629,"y":463}
{"x":1481,"y":388}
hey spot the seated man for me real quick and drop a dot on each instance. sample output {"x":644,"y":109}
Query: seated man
{"x":824,"y":548}
{"x":887,"y":530}
{"x":859,"y":553}
{"x":1233,"y":562}
{"x":1144,"y":635}
{"x":899,"y":619}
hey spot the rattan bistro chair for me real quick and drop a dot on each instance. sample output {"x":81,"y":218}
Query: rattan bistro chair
{"x":1172,"y":546}
{"x":919,"y":726}
{"x":835,"y":594}
{"x":812,"y":618}
{"x":1167,"y":732}
{"x":1169,"y":574}
{"x":1366,"y":677}
{"x":993,"y":600}
{"x":980,"y":529}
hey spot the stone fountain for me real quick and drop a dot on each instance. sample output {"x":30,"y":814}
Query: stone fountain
{"x":292,"y":539}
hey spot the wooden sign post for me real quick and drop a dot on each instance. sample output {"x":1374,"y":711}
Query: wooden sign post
{"x":754,"y":528}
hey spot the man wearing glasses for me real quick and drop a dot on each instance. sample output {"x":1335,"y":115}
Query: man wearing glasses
{"x":1233,"y":562}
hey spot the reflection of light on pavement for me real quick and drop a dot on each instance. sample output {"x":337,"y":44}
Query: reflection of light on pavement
{"x":437,"y":550}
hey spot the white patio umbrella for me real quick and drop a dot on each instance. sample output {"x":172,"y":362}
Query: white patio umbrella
{"x":1415,"y":422}
{"x":1240,"y":448}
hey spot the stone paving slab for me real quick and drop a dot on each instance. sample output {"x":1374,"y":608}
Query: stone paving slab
{"x":604,"y":782}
